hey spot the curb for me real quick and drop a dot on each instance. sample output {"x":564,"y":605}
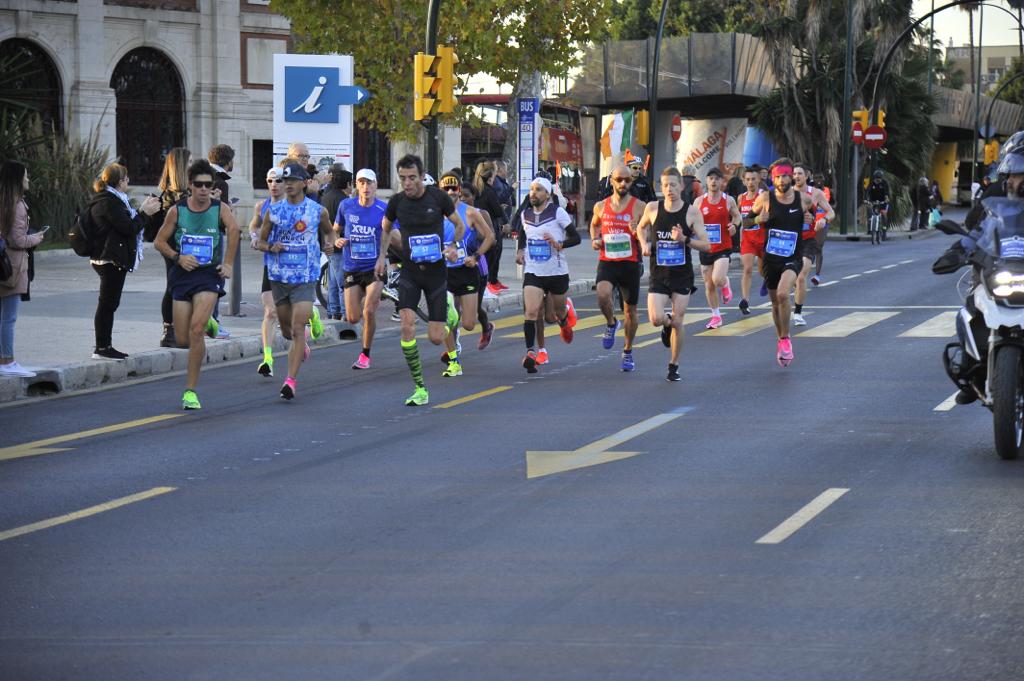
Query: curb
{"x":890,"y":236}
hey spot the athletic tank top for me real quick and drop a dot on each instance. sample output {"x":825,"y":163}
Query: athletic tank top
{"x":785,"y":223}
{"x":619,"y":244}
{"x":449,"y":236}
{"x":716,"y":222}
{"x":747,"y":205}
{"x":540,"y":258}
{"x":808,"y":226}
{"x":668,"y":255}
{"x":362,"y":229}
{"x":198,"y":234}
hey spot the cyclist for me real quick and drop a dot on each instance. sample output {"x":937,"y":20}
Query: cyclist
{"x":878,"y":195}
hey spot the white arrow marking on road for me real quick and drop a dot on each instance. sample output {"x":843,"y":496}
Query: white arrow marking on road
{"x":803,"y":516}
{"x":541,"y":463}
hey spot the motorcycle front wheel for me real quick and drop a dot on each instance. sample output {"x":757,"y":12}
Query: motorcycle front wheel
{"x":1008,"y":402}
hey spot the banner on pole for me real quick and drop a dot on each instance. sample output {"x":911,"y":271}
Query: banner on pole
{"x":714,"y":143}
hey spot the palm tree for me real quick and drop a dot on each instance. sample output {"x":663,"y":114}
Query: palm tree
{"x":969,"y":8}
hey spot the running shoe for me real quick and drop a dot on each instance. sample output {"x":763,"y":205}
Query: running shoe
{"x":288,"y":389}
{"x":798,"y":319}
{"x":542,"y":356}
{"x":494,"y":289}
{"x":608,"y":339}
{"x":485,"y":336}
{"x":566,"y":331}
{"x":744,"y":306}
{"x":212,"y":328}
{"x":673,"y":375}
{"x":454,"y":369}
{"x":190,"y":401}
{"x":785,"y":352}
{"x":395,"y":317}
{"x":15,"y":369}
{"x":714,"y":323}
{"x":222,"y":333}
{"x":726,"y":294}
{"x":501,"y":287}
{"x":816,"y":279}
{"x":530,"y":362}
{"x":570,"y":310}
{"x":316,"y":327}
{"x":362,"y":362}
{"x":419,"y":398}
{"x":266,"y":369}
{"x":764,"y":289}
{"x":666,"y":332}
{"x":627,"y":361}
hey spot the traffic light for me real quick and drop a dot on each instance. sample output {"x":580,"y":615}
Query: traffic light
{"x":881,"y":119}
{"x":861,"y":116}
{"x":991,"y":152}
{"x":446,"y":73}
{"x":426,"y":85}
{"x":642,"y":125}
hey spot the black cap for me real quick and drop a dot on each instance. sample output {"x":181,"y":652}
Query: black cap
{"x":715,"y":171}
{"x":295,"y":171}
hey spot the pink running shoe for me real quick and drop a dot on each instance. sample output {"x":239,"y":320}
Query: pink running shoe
{"x":362,"y":362}
{"x":714,"y":323}
{"x":726,"y":294}
{"x":542,"y":356}
{"x":785,"y":352}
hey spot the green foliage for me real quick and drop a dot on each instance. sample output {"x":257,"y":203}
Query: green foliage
{"x":1014,"y":92}
{"x":639,"y":20}
{"x":502,"y":40}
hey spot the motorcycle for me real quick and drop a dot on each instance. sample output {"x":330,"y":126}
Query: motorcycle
{"x":988,"y":362}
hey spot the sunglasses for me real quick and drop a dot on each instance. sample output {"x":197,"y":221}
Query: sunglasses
{"x":203,"y":185}
{"x":273,"y":181}
{"x":452,"y":189}
{"x":627,"y":180}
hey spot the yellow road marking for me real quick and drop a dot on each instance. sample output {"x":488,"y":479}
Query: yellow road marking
{"x":847,"y":324}
{"x":940,"y":326}
{"x":474,"y":396}
{"x":647,"y":329}
{"x":85,"y":512}
{"x":43,"y":446}
{"x":581,"y":324}
{"x":744,"y":327}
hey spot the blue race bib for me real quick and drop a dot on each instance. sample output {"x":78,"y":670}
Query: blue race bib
{"x":714,"y":233}
{"x":199,"y":247}
{"x":539,"y":250}
{"x":670,"y":254}
{"x":362,"y":247}
{"x":293,"y":257}
{"x":460,"y":254}
{"x":426,"y":248}
{"x":781,"y":243}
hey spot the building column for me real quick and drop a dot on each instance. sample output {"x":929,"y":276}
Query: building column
{"x":92,"y":105}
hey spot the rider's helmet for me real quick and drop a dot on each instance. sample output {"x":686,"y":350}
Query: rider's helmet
{"x":877,"y":175}
{"x":1011,"y":158}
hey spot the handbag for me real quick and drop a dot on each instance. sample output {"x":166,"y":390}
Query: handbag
{"x":934,"y":217}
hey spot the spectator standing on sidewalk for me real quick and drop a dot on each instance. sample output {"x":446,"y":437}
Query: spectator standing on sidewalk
{"x":222,"y":159}
{"x":487,"y":200}
{"x":121,"y":251}
{"x":173,"y":188}
{"x":501,"y":187}
{"x":14,"y":230}
{"x":337,"y":190}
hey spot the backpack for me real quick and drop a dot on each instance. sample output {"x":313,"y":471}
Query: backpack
{"x":85,"y":237}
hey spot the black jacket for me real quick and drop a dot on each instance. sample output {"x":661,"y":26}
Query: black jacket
{"x":488,"y":201}
{"x":119,"y":229}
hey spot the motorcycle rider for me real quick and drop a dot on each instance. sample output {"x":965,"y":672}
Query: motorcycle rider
{"x":961,"y":367}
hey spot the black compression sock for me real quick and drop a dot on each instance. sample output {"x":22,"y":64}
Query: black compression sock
{"x":530,"y":332}
{"x":366,"y":351}
{"x":798,"y":308}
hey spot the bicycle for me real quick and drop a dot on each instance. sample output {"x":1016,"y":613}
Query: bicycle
{"x":876,"y":225}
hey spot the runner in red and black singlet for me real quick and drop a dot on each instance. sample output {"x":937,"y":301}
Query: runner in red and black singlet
{"x":753,"y":234}
{"x":721,"y":217}
{"x":814,"y":221}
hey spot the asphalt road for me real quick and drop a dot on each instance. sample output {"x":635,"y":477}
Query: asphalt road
{"x":346,"y":536}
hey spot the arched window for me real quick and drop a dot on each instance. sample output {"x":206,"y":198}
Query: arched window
{"x":29,"y":77}
{"x":150,"y":112}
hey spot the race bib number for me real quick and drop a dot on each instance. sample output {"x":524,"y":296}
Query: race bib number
{"x":539,"y":250}
{"x":750,"y":223}
{"x":781,"y":243}
{"x":426,"y":248}
{"x":293,"y":257}
{"x":362,"y":247}
{"x":199,"y":247}
{"x":460,"y":254}
{"x":808,"y":227}
{"x":618,"y":246}
{"x":714,"y":233}
{"x":670,"y":254}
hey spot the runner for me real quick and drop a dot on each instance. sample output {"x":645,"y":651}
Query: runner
{"x":816,"y":278}
{"x":721,"y":217}
{"x":781,"y":210}
{"x":292,"y":245}
{"x":613,"y":235}
{"x":420,"y":210}
{"x":463,"y":273}
{"x":546,"y":272}
{"x":487,"y":328}
{"x":201,"y":264}
{"x":275,"y":185}
{"x":674,"y":224}
{"x":752,"y":237}
{"x":357,"y":229}
{"x":822,"y":213}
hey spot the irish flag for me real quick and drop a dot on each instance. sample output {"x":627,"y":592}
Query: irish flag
{"x":618,"y":135}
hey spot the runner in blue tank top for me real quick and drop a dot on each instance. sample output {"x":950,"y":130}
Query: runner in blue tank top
{"x":358,"y":230}
{"x":275,"y":187}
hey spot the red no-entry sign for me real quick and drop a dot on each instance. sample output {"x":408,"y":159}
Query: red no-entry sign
{"x":858,"y":133}
{"x":677,"y":127}
{"x":875,"y":137}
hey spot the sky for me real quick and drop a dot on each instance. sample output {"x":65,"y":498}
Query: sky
{"x":998,"y":28}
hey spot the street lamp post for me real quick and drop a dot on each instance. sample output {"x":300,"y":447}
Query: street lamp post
{"x":652,"y":95}
{"x":846,"y":186}
{"x":977,"y":97}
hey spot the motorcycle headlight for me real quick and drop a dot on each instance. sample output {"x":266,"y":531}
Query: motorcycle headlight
{"x":1005,"y":284}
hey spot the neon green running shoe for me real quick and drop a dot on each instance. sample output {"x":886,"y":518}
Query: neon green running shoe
{"x":454,"y":369}
{"x":418,"y":398}
{"x":190,"y":401}
{"x":316,"y":327}
{"x":212,"y":327}
{"x":266,"y":368}
{"x":453,"y":314}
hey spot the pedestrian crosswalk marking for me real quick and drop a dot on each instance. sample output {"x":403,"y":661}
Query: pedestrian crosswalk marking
{"x":647,"y":329}
{"x":942,"y":325}
{"x":582,"y":324}
{"x":847,"y":324}
{"x":744,"y":327}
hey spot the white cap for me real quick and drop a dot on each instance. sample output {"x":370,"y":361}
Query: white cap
{"x":366,"y":174}
{"x":275,"y":173}
{"x":545,"y":184}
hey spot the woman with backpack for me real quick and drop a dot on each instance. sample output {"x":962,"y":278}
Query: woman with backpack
{"x":120,"y":228}
{"x":173,"y":188}
{"x":17,"y":241}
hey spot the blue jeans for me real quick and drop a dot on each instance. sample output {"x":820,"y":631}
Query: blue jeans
{"x":336,"y":285}
{"x":8,"y":315}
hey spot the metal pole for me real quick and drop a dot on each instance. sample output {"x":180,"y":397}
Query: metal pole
{"x":992,"y":101}
{"x":977,"y":98}
{"x":431,"y":160}
{"x":235,"y":300}
{"x":652,"y":92}
{"x":931,"y":49}
{"x":844,"y":160}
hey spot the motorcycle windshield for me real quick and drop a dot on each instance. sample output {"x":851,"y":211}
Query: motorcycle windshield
{"x":1003,"y":228}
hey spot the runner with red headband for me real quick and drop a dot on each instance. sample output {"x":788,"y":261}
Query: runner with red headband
{"x":813,"y":223}
{"x":721,"y":217}
{"x":782,"y":212}
{"x":753,"y":236}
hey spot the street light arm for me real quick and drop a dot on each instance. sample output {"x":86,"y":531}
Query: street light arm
{"x":992,"y":101}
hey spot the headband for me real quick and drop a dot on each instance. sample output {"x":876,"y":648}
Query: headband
{"x":782,"y":170}
{"x":544,"y":183}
